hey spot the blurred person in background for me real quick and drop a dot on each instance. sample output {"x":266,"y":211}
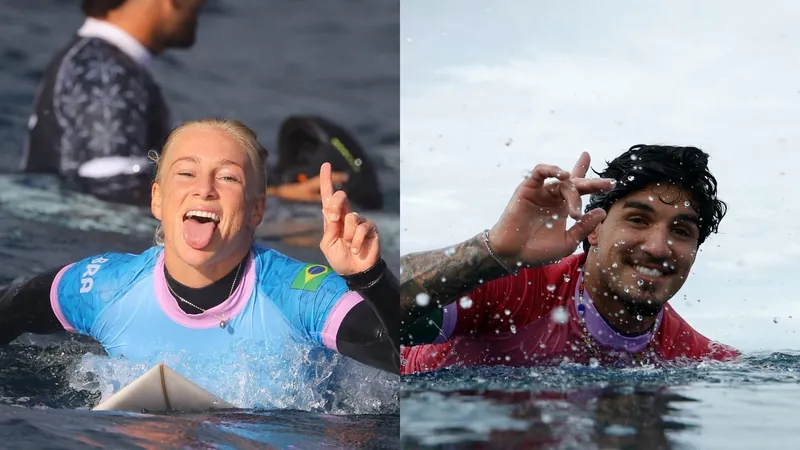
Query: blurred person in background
{"x":98,"y":110}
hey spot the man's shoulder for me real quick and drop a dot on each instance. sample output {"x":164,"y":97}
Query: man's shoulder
{"x":678,"y":339}
{"x":554,"y":276}
{"x":93,"y":49}
{"x":91,"y":61}
{"x":567,"y":265}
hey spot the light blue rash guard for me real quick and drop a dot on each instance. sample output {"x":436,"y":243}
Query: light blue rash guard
{"x":122,"y":301}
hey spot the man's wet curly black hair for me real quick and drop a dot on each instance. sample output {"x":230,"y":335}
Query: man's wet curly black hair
{"x":685,"y":167}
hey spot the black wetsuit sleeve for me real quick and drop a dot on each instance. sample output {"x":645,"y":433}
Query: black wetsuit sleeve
{"x":102,"y":107}
{"x":25,"y":307}
{"x":370,"y":331}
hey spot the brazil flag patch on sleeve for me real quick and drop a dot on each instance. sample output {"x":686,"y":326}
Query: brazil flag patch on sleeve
{"x":311,"y":277}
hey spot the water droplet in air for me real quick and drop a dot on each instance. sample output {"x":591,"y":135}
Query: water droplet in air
{"x":423,"y":299}
{"x":650,"y":198}
{"x":775,"y":320}
{"x":630,"y":177}
{"x":507,"y":311}
{"x":551,"y":287}
{"x":513,"y":329}
{"x":555,"y":216}
{"x":686,"y":203}
{"x":357,"y":162}
{"x":670,"y":241}
{"x":666,"y":264}
{"x":594,"y":363}
{"x":634,"y":157}
{"x":614,"y":265}
{"x":566,"y":278}
{"x":444,"y":279}
{"x":639,"y":317}
{"x":548,"y":225}
{"x":560,"y":315}
{"x":640,"y":282}
{"x":465,"y":302}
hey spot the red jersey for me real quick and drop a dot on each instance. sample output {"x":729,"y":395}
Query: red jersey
{"x":531,"y":319}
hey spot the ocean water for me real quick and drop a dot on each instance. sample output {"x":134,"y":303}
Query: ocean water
{"x":750,"y":404}
{"x":258,"y":61}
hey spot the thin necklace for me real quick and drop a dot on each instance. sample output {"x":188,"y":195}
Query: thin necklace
{"x":587,"y":336}
{"x":222,"y":322}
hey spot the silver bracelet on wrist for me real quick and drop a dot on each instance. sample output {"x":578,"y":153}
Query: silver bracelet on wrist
{"x":494,"y":257}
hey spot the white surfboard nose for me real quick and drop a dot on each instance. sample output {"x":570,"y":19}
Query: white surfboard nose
{"x":162,"y":389}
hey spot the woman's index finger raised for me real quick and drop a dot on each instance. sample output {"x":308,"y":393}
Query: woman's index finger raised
{"x":325,"y":183}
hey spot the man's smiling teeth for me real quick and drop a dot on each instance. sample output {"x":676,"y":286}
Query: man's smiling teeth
{"x":204,"y":214}
{"x":648,"y":272}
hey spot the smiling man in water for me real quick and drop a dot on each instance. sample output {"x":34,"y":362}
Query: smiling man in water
{"x":517,"y":295}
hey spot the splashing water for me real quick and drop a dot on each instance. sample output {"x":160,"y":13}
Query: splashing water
{"x":249,"y":376}
{"x":560,"y":315}
{"x":423,"y":299}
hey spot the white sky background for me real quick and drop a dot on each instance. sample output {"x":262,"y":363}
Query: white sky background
{"x":557,"y":78}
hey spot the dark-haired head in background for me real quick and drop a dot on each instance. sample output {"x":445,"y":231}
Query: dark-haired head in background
{"x":98,"y":110}
{"x":663,"y":207}
{"x":158,"y":24}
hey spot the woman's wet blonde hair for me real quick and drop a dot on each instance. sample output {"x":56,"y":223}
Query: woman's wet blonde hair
{"x":239,"y":132}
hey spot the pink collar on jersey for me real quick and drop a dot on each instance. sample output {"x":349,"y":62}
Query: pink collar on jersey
{"x":227,"y":310}
{"x":602,"y":332}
